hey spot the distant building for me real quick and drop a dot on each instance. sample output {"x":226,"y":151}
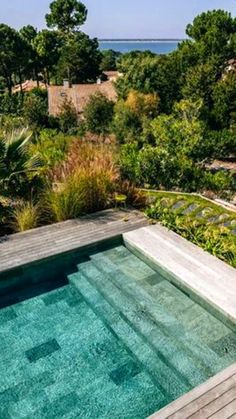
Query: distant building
{"x":78,"y":95}
{"x":112,"y":75}
{"x":230,"y":67}
{"x":27,"y":86}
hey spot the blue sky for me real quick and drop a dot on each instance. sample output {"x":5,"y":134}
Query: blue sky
{"x":120,"y":18}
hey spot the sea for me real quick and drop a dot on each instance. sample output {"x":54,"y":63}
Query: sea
{"x":158,"y":46}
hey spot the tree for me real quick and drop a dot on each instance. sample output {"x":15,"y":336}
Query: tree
{"x":66,"y":15}
{"x":149,"y":73}
{"x":47,"y":45}
{"x":109,"y":60}
{"x":224,"y":101}
{"x":182,"y":134}
{"x":80,"y":59}
{"x":143,"y":105}
{"x":13,"y":55}
{"x":212,"y":32}
{"x":98,"y":114}
{"x":33,"y":68}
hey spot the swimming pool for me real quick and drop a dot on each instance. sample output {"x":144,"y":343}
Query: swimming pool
{"x":100,"y":335}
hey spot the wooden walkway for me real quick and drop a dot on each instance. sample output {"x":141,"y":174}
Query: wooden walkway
{"x":215,"y":399}
{"x":23,"y":248}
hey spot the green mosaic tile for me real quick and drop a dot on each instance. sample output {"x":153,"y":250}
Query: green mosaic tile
{"x":154,"y":279}
{"x":125,"y":372}
{"x":45,"y":349}
{"x":225,"y":345}
{"x":118,"y":339}
{"x":7,"y":314}
{"x":60,"y":407}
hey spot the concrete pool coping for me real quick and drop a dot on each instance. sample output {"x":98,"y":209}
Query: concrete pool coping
{"x":208,"y":280}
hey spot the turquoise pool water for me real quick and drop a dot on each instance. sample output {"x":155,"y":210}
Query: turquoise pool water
{"x":114,"y":339}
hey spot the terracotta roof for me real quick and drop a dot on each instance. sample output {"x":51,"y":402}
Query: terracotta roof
{"x":78,"y":94}
{"x":223,"y":165}
{"x":27,"y":86}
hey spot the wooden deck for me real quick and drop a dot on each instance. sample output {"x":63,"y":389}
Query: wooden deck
{"x":215,"y":399}
{"x":23,"y":248}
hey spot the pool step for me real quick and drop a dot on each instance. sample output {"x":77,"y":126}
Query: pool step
{"x":163,"y":376}
{"x":200,"y":354}
{"x":145,"y":324}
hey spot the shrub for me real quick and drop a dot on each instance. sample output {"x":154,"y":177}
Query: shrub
{"x":85,"y":191}
{"x":84,"y":183}
{"x":68,"y":117}
{"x":98,"y":114}
{"x":215,"y":240}
{"x":35,"y":112}
{"x":25,"y":216}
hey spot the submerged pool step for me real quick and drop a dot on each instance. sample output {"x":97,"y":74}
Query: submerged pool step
{"x":162,"y":375}
{"x":200,"y":354}
{"x":145,"y":325}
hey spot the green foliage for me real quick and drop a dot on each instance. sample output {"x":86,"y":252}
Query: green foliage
{"x":47,"y":46}
{"x":11,"y":104}
{"x":148,"y":73}
{"x":68,"y":117}
{"x":109,"y":60}
{"x":35,"y":112}
{"x":66,"y":15}
{"x":212,"y":32}
{"x":80,"y":59}
{"x":224,"y":99}
{"x":98,"y":114}
{"x":16,"y":164}
{"x":51,"y":147}
{"x":10,"y":60}
{"x":215,"y":239}
{"x":126,"y":124}
{"x":25,"y":216}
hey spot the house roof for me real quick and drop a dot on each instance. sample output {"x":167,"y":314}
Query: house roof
{"x":78,"y":94}
{"x":27,"y":86}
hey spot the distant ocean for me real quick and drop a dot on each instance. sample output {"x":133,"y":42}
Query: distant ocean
{"x":158,"y":46}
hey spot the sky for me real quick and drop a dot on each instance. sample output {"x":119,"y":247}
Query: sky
{"x":120,"y":18}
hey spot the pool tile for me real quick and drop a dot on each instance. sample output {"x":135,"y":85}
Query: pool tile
{"x":225,"y":345}
{"x":43,"y":350}
{"x":60,"y":407}
{"x":8,"y":396}
{"x":154,"y":279}
{"x":125,"y":372}
{"x":7,"y":314}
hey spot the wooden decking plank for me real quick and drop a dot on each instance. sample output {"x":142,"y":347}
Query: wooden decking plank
{"x":227,"y":411}
{"x":185,"y":406}
{"x":216,"y":404}
{"x":31,"y":246}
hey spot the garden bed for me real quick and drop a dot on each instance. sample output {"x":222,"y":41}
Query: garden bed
{"x":199,"y":220}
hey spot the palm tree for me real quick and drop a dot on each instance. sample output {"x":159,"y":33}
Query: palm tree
{"x":16,"y":163}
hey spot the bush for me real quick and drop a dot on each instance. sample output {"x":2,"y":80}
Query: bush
{"x":221,"y":182}
{"x":68,"y":117}
{"x":35,"y":112}
{"x":85,"y":191}
{"x":25,"y":216}
{"x":83,"y":184}
{"x":215,"y":240}
{"x":98,"y":114}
